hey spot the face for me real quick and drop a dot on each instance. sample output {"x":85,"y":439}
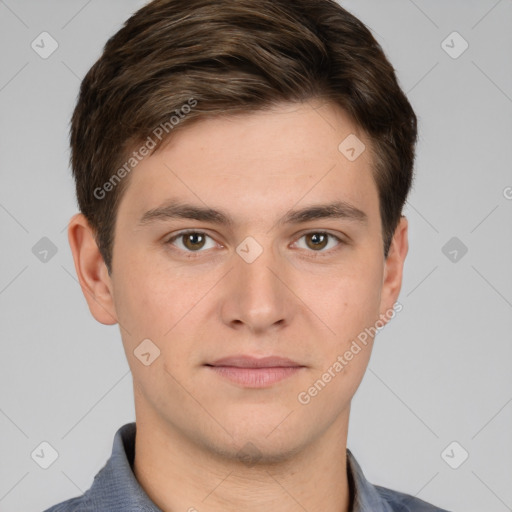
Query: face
{"x":254,"y":278}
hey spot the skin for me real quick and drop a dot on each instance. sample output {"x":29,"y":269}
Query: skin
{"x":192,"y":424}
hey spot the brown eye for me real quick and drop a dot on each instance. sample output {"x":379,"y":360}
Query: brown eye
{"x":191,"y":241}
{"x":320,"y":242}
{"x":316,"y":240}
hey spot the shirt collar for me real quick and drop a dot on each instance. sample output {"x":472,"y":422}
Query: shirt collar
{"x":115,"y":487}
{"x":364,"y":495}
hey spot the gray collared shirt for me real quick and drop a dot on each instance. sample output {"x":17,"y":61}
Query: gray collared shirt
{"x":115,"y":488}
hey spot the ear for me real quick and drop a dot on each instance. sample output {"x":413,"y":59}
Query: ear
{"x":91,"y":270}
{"x":393,"y":268}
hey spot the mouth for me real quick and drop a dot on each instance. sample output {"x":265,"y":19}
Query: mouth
{"x":246,"y":361}
{"x":254,"y":372}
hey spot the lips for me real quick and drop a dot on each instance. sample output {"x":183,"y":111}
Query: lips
{"x":255,"y":372}
{"x":245,"y":361}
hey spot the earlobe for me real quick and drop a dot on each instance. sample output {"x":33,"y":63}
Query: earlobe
{"x":393,"y":267}
{"x":91,"y":270}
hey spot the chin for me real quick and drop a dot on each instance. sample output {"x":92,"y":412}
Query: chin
{"x":252,"y":451}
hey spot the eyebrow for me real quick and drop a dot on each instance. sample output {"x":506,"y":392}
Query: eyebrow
{"x":174,"y":209}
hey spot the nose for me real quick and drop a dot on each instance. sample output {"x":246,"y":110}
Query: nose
{"x":256,"y":296}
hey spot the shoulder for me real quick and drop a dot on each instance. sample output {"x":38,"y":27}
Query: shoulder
{"x":401,"y":502}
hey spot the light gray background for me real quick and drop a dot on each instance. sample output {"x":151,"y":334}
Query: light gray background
{"x":440,"y":371}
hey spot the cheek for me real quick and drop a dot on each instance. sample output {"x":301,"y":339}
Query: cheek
{"x":346,"y":301}
{"x":163,"y":306}
{"x":145,"y":300}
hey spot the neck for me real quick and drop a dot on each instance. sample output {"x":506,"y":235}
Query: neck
{"x":178,"y":474}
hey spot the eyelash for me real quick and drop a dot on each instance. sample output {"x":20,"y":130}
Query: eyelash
{"x":195,"y":254}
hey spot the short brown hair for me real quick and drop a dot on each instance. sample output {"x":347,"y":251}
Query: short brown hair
{"x":233,"y":56}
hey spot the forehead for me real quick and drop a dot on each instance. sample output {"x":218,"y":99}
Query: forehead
{"x":254,"y":161}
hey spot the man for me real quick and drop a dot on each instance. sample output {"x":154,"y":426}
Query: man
{"x":241,"y":169}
